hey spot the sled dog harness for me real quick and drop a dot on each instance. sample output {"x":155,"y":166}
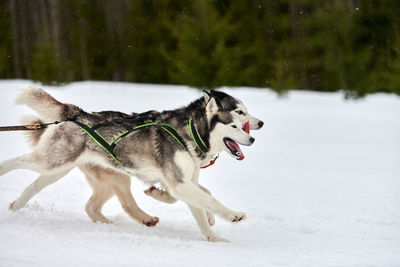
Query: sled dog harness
{"x":200,"y":143}
{"x":109,"y":147}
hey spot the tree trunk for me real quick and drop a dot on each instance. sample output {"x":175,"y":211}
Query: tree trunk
{"x":25,"y":40}
{"x":15,"y":39}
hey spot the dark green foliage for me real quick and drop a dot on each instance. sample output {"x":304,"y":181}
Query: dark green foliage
{"x":331,"y":45}
{"x":6,"y":54}
{"x":44,"y":63}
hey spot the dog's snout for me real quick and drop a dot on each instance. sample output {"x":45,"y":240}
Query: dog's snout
{"x":260,"y":124}
{"x":252,"y":139}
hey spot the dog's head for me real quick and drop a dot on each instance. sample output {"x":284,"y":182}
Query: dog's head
{"x":226,"y":131}
{"x":236,"y":108}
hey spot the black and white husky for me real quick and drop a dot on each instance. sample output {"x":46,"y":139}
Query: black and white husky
{"x":166,"y":147}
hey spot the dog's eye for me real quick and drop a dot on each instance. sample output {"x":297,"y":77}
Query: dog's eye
{"x":239,"y":112}
{"x":234,"y":126}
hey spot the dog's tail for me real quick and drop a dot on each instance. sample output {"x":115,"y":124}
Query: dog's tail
{"x":32,"y":136}
{"x":47,"y":107}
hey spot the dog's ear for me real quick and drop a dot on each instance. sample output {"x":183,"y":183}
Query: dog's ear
{"x":210,"y":94}
{"x":212,"y":107}
{"x":207,"y":95}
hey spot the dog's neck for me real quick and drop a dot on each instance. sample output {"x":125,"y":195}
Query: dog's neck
{"x":196,"y":113}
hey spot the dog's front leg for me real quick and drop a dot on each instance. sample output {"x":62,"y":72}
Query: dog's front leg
{"x":201,"y":219}
{"x":165,"y":197}
{"x":180,"y":178}
{"x":210,"y":216}
{"x":195,"y":179}
{"x":193,"y":195}
{"x":160,"y":195}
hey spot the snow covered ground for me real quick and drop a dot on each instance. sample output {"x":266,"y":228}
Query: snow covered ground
{"x":320,"y":186}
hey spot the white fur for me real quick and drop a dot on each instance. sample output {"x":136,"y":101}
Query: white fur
{"x":41,"y":182}
{"x":28,"y":119}
{"x":186,"y":188}
{"x":198,"y":200}
{"x":221,"y":130}
{"x":48,"y":109}
{"x":211,"y":107}
{"x":245,"y":116}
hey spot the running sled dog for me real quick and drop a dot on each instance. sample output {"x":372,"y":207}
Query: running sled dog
{"x":166,"y":147}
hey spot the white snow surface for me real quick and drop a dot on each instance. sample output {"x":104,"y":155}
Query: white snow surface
{"x":320,"y":187}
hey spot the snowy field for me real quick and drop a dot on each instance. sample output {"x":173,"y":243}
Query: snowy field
{"x":320,"y":187}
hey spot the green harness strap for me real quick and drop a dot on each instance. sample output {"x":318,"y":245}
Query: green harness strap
{"x":109,"y":147}
{"x":196,"y":137}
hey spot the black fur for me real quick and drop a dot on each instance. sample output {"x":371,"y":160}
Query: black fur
{"x":225,"y":101}
{"x":178,"y":118}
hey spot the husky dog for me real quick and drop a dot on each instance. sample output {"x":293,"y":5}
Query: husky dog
{"x":150,"y":153}
{"x":106,"y":183}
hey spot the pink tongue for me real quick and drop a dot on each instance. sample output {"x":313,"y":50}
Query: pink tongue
{"x":246,"y":127}
{"x":237,"y":148}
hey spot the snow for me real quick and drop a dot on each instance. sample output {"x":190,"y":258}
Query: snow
{"x":320,"y":187}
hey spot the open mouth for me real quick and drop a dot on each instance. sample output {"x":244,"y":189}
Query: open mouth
{"x":234,"y":148}
{"x":246,"y":127}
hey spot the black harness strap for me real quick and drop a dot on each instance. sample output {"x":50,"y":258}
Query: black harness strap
{"x":172,"y":131}
{"x":95,"y":127}
{"x":109,"y":147}
{"x":99,"y":139}
{"x":128,"y":129}
{"x":126,"y":126}
{"x":196,"y":136}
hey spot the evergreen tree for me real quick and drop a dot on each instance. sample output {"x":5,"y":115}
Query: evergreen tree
{"x":328,"y":45}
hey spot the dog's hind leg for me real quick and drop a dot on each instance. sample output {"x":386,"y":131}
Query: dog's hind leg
{"x":95,"y":203}
{"x":21,"y":162}
{"x":105,"y":184}
{"x":36,"y":187}
{"x":123,"y":191}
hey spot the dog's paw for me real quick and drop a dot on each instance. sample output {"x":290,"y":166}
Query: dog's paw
{"x":102,"y":219}
{"x":160,"y":195}
{"x":238,"y":216}
{"x":232,"y":216}
{"x":150,"y":190}
{"x":151,"y":222}
{"x":211,"y":218}
{"x":215,"y":238}
{"x":16,"y":206}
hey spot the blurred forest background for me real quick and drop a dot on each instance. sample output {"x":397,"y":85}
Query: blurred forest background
{"x":350,"y":45}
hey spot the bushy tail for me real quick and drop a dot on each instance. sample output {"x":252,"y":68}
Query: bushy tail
{"x":48,"y":108}
{"x":32,"y":136}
